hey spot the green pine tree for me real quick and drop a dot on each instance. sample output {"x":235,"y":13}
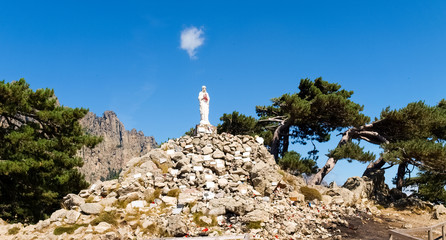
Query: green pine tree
{"x":38,"y":145}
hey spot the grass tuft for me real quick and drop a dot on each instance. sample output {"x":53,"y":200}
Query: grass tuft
{"x":254,"y":225}
{"x":156,"y":194}
{"x":310,"y":193}
{"x":67,"y":229}
{"x":108,"y":217}
{"x":13,"y":231}
{"x":174,"y":192}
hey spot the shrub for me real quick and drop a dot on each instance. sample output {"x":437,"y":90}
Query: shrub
{"x":156,"y":194}
{"x":254,"y":225}
{"x":13,"y":231}
{"x":67,"y":229}
{"x":108,"y":217}
{"x":310,"y":193}
{"x":174,"y":192}
{"x":199,"y":222}
{"x":293,"y":162}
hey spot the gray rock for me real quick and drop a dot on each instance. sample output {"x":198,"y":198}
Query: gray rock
{"x":58,"y":215}
{"x":187,"y":197}
{"x":109,"y":201}
{"x":72,"y":216}
{"x":42,"y":224}
{"x":91,"y":208}
{"x":177,"y":156}
{"x":206,"y":220}
{"x":72,"y":200}
{"x":221,"y":210}
{"x":172,"y":201}
{"x":438,"y":210}
{"x":102,"y":227}
{"x":207,"y":150}
{"x":175,"y":226}
{"x":290,"y":227}
{"x":222,"y":182}
{"x":256,"y":215}
{"x":84,"y":193}
{"x":147,"y":223}
{"x":218,"y":154}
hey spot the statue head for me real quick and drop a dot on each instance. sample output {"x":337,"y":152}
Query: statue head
{"x":203,"y":88}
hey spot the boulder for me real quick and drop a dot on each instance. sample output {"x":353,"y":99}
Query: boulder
{"x":172,"y":201}
{"x":359,"y":187}
{"x":438,"y":211}
{"x":218,"y":154}
{"x":176,"y":226}
{"x":72,"y":216}
{"x":220,"y":210}
{"x":91,"y":208}
{"x":58,"y":215}
{"x":72,"y":200}
{"x":256,"y":215}
{"x":207,"y":150}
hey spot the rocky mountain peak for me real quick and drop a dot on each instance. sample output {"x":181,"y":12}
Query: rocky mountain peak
{"x":117,"y":148}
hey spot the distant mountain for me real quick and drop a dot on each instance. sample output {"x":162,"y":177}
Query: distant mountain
{"x":117,"y":148}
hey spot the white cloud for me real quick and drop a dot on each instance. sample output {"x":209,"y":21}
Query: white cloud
{"x":191,"y":39}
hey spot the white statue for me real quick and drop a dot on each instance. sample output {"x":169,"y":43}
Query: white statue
{"x":204,"y":99}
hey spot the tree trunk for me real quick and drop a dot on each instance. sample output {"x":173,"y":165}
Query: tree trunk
{"x":317,"y":178}
{"x":286,"y":139}
{"x":278,"y":133}
{"x":374,"y":166}
{"x":365,"y":132}
{"x":400,"y":175}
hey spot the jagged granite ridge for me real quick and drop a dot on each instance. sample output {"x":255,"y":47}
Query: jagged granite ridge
{"x":116,"y":149}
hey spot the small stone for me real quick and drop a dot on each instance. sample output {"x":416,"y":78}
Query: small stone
{"x":206,"y":220}
{"x":72,"y":216}
{"x":207,"y":150}
{"x":222,"y":182}
{"x":169,"y":200}
{"x":147,"y":223}
{"x":58,"y":215}
{"x":218,"y":154}
{"x":102,"y":227}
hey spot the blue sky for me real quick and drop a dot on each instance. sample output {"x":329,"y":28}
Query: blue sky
{"x":127,"y":56}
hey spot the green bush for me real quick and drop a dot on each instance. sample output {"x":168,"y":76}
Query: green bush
{"x":254,"y":225}
{"x":310,"y":193}
{"x":174,"y":192}
{"x":13,"y":231}
{"x":108,"y":217}
{"x":67,"y":229}
{"x":292,"y":161}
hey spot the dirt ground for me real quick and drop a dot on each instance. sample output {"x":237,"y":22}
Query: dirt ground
{"x":378,"y":227}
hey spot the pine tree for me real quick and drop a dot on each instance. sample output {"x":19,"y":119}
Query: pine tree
{"x":413,"y":135}
{"x":38,"y":145}
{"x":311,"y":114}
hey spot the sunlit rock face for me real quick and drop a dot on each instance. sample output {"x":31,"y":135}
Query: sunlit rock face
{"x":116,"y":149}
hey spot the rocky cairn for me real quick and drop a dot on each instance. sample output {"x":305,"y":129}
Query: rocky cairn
{"x":205,"y":185}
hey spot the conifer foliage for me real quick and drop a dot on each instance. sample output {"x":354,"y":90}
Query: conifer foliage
{"x":38,"y":145}
{"x":311,"y":114}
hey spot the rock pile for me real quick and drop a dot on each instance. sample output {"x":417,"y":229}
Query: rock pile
{"x":204,"y":185}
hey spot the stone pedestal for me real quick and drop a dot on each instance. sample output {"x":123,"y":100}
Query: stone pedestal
{"x":205,"y":128}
